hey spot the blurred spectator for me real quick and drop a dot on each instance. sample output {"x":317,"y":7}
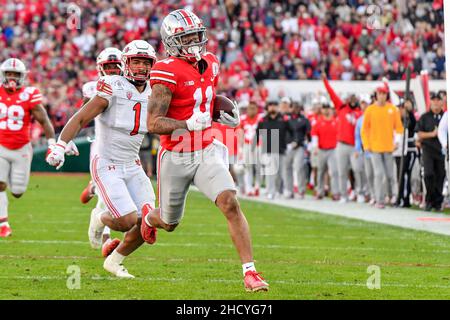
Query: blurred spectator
{"x":248,"y":150}
{"x":324,"y":139}
{"x":348,"y":113}
{"x":363,"y":163}
{"x":272,"y":132}
{"x":405,"y":166}
{"x":295,"y":152}
{"x":433,"y":157}
{"x":381,"y":126}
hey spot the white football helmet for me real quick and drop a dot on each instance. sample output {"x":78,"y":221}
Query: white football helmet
{"x":175,"y":26}
{"x":137,"y":49}
{"x":13,"y":65}
{"x":108,"y":56}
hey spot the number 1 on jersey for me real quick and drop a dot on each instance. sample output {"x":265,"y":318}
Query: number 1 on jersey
{"x":198,"y":97}
{"x":137,"y":119}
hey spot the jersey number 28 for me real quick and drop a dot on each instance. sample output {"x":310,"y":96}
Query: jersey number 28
{"x":11,"y":118}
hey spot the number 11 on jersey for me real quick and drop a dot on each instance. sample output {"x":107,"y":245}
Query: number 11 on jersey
{"x":198,"y":97}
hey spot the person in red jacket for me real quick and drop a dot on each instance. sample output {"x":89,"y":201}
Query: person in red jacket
{"x":347,"y":114}
{"x":324,"y":144}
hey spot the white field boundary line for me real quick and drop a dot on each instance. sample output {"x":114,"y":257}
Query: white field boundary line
{"x":282,"y":282}
{"x":215,"y":245}
{"x":262,"y":235}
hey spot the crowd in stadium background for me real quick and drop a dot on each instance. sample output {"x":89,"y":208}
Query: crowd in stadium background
{"x":255,"y":40}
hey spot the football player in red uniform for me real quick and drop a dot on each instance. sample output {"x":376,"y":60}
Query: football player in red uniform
{"x":180,"y":110}
{"x":18,"y":104}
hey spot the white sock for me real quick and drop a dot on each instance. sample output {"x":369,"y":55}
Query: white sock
{"x":107,"y":230}
{"x":147,"y":221}
{"x":249,"y":266}
{"x":3,"y":205}
{"x":116,"y":257}
{"x":99,"y":214}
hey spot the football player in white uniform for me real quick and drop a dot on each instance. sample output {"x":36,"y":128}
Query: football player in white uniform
{"x":120,"y":106}
{"x":108,"y":63}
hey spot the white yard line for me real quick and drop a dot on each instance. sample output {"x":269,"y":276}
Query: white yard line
{"x":294,"y":282}
{"x":223,"y":245}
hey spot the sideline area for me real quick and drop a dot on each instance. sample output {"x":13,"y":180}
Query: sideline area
{"x":406,"y":218}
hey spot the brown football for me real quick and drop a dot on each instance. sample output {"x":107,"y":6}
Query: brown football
{"x":222,"y":103}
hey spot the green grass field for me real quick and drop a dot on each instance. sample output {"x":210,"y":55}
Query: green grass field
{"x":303,"y":255}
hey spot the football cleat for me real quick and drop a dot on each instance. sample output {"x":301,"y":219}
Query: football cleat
{"x":95,"y":229}
{"x":88,"y":193}
{"x":109,"y":246}
{"x":116,"y":269}
{"x":148,"y":233}
{"x":5,"y":231}
{"x":254,"y":282}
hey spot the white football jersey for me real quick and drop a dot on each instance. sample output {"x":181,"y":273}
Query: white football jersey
{"x":90,"y":89}
{"x":120,"y":129}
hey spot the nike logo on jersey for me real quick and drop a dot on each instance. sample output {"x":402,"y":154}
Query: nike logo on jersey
{"x":189,"y":83}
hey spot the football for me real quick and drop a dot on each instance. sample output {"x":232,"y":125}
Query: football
{"x":222,"y":103}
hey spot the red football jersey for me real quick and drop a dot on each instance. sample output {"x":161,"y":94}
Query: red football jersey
{"x":249,"y":125}
{"x":191,"y":92}
{"x":15,"y":116}
{"x":326,"y":131}
{"x":227,"y":136}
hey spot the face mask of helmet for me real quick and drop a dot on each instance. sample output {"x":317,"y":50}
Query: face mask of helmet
{"x":12,"y":80}
{"x":189,"y":47}
{"x":138,"y":75}
{"x":109,"y":68}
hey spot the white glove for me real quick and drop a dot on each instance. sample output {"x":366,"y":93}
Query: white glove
{"x":55,"y":154}
{"x":199,"y":121}
{"x":71,"y":149}
{"x":230,"y":121}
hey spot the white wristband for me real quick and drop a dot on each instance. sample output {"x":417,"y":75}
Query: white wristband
{"x":62,"y":143}
{"x":51,"y":141}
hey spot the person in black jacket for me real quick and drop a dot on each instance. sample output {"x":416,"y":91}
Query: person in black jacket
{"x":272,"y":131}
{"x":433,"y":157}
{"x":410,"y":154}
{"x":295,"y":153}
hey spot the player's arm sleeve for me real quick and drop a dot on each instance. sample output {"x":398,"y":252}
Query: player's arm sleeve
{"x":35,"y":98}
{"x":105,"y":88}
{"x":164,"y":73}
{"x":338,"y":103}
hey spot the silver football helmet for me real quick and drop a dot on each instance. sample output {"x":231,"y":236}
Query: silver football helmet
{"x":16,"y":66}
{"x":108,"y":56}
{"x":178,"y":24}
